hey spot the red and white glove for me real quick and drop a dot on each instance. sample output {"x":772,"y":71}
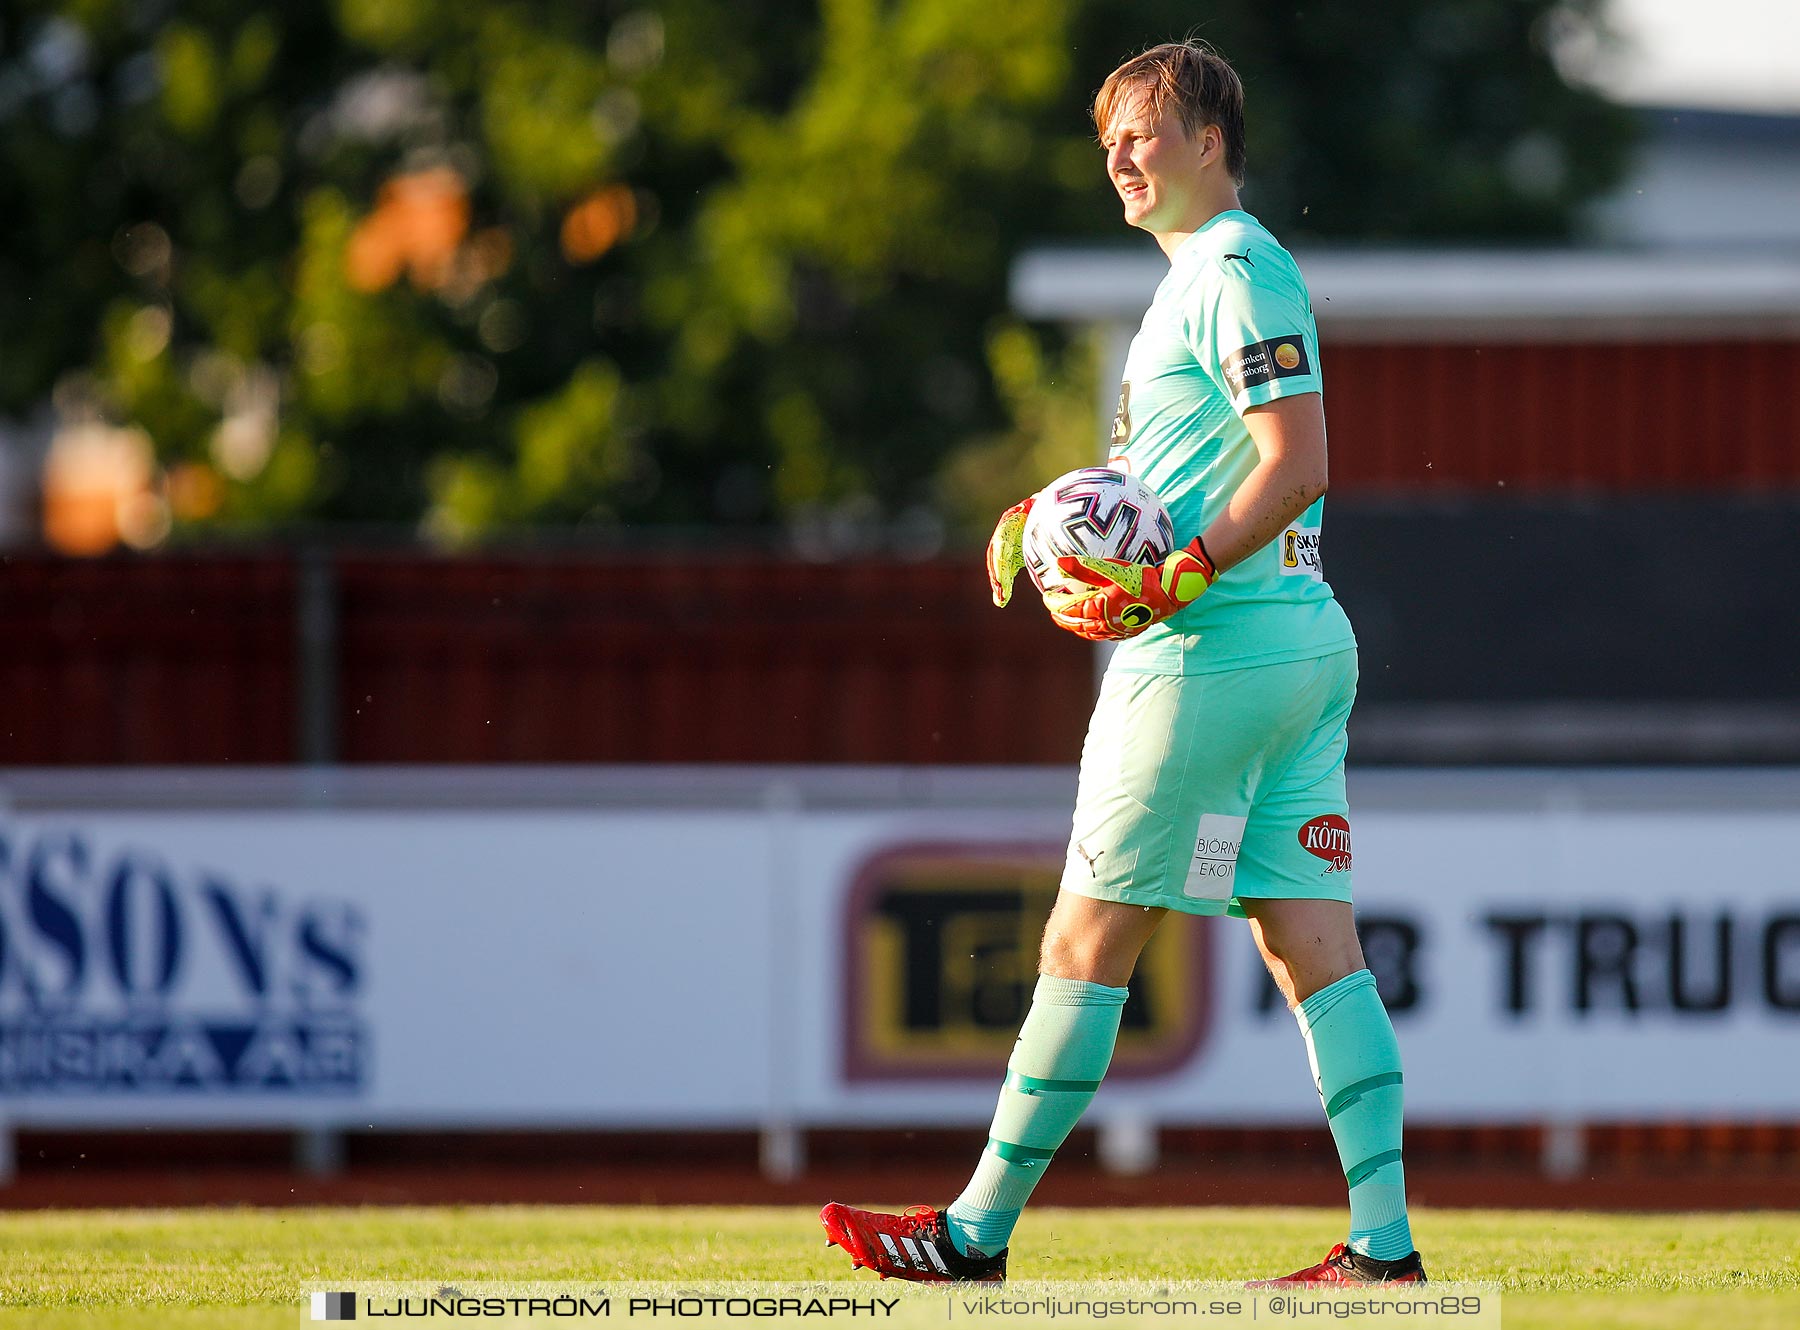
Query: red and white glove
{"x":1006,"y":550}
{"x":1121,"y":600}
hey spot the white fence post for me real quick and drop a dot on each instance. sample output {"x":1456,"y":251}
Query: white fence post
{"x":1127,"y":1145}
{"x":1565,"y":1148}
{"x":782,"y":1144}
{"x":319,"y":1151}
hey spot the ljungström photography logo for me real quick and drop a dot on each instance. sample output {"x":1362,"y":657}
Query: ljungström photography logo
{"x":334,"y":1306}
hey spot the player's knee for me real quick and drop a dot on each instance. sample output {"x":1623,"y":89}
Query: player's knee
{"x":1307,"y":945}
{"x":1062,"y":956}
{"x":1284,"y":982}
{"x":1087,"y":956}
{"x":1300,"y":973}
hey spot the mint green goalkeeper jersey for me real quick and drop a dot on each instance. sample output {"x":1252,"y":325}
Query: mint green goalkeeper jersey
{"x":1231,"y":327}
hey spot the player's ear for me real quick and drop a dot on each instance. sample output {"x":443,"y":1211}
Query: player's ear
{"x":1212,"y":144}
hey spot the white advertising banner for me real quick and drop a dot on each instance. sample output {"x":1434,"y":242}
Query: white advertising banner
{"x":1537,"y":965}
{"x":841,"y":949}
{"x":385,"y":968}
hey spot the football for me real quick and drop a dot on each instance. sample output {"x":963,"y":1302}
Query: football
{"x":1096,"y":511}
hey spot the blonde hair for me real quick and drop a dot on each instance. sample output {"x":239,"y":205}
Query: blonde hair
{"x":1190,"y":77}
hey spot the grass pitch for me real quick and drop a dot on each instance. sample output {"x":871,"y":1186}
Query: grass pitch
{"x":230,"y":1267}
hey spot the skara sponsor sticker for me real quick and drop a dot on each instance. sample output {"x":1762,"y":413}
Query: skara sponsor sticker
{"x":1299,"y":546}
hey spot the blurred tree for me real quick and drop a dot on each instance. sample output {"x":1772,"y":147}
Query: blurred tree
{"x":699,"y":262}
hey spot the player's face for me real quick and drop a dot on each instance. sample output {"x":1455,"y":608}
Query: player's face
{"x":1153,"y":165}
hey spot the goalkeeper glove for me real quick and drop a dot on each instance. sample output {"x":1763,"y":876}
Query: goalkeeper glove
{"x":1006,"y":550}
{"x":1123,"y":599}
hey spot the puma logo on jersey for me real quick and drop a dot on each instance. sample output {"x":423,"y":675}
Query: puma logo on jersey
{"x":1244,"y":257}
{"x":1093,"y":860}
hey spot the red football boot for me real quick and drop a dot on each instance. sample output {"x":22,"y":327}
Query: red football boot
{"x":1343,"y":1266}
{"x":915,"y":1245}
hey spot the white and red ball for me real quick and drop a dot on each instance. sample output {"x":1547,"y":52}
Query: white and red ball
{"x":1097,"y":511}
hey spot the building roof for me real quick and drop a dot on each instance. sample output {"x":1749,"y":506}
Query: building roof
{"x":1464,"y":294}
{"x":1721,"y":129}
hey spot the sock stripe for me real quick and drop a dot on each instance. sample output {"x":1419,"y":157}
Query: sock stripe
{"x":1371,"y":1166}
{"x":1043,"y":1085}
{"x":1351,"y":1093}
{"x":1390,"y":1242}
{"x":1019,"y":1154}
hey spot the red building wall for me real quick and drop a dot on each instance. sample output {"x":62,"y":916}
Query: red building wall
{"x":755,"y":660}
{"x":1577,"y":416}
{"x":188,"y":658}
{"x":146,"y":660}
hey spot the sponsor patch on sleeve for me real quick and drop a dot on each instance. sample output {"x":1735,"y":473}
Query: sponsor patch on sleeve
{"x":1299,"y":550}
{"x":1263,"y":362}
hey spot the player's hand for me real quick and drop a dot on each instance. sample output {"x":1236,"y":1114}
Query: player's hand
{"x":1006,"y":550}
{"x":1123,"y":599}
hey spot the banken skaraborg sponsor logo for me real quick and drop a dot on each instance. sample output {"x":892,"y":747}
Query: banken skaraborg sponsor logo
{"x":124,"y":972}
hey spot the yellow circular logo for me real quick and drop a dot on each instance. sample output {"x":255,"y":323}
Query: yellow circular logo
{"x":1287,"y":355}
{"x":1135,"y":616}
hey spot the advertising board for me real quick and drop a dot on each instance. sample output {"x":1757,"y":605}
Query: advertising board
{"x":816,"y":959}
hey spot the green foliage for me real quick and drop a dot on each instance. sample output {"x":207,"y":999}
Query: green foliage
{"x":1418,"y":119}
{"x":192,"y":82}
{"x":1048,"y":392}
{"x":693,"y":262}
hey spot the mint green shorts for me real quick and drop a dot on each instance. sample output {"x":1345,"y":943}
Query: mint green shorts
{"x":1201,"y":791}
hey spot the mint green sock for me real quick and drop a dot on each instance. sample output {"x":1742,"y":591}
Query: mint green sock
{"x":1061,"y":1054}
{"x":1356,"y":1067}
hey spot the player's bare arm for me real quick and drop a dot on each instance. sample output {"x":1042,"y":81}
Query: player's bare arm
{"x":1289,"y":477}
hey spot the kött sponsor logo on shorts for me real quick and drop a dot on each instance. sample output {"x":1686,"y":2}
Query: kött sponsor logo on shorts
{"x":1327,"y":837}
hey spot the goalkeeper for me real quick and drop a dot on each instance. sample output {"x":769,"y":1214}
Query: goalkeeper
{"x":1212,"y":779}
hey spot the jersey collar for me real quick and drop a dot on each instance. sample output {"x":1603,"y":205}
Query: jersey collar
{"x":1188,"y":248}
